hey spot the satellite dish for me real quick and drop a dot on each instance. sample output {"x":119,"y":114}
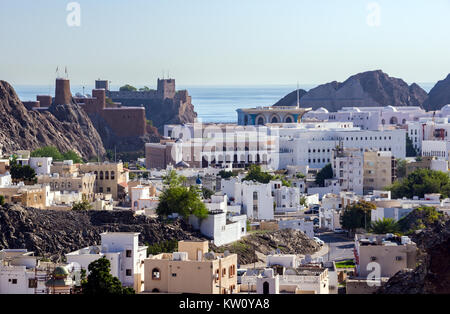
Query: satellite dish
{"x":226,"y":253}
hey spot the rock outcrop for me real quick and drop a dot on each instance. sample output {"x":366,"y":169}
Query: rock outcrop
{"x":368,"y":89}
{"x":432,"y":276}
{"x":67,"y":127}
{"x":53,"y":233}
{"x":287,"y":240}
{"x":291,"y":99}
{"x":439,"y":95}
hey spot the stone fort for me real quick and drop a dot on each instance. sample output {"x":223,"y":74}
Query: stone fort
{"x":123,"y":121}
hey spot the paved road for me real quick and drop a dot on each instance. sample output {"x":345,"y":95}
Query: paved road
{"x":340,"y":247}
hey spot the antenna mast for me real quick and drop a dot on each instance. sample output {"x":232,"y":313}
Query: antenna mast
{"x":298,"y":97}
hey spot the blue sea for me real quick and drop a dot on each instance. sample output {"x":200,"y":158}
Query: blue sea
{"x":212,"y":103}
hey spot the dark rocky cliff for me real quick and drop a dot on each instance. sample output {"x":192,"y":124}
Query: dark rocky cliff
{"x":432,"y":276}
{"x":373,"y":88}
{"x":53,"y":233}
{"x":67,"y":127}
{"x":439,"y":95}
{"x":291,"y":98}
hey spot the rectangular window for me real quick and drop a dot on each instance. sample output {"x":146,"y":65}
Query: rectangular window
{"x":128,"y":272}
{"x":32,"y":283}
{"x":128,"y":253}
{"x":14,"y":281}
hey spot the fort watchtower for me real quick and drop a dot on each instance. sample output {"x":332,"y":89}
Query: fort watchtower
{"x":63,"y":96}
{"x":166,"y":88}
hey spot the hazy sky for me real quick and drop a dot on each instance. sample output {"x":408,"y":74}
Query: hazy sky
{"x":224,"y":42}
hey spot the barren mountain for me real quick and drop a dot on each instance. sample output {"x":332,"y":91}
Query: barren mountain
{"x":65,"y":126}
{"x":373,"y":88}
{"x":439,"y":96}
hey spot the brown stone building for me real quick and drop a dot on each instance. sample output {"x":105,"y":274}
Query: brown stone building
{"x":28,"y":196}
{"x":80,"y":183}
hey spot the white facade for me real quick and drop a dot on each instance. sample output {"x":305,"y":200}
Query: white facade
{"x":141,"y":199}
{"x":256,"y":198}
{"x":307,"y":227}
{"x":122,"y":250}
{"x":221,"y":226}
{"x":41,"y":165}
{"x":395,"y":213}
{"x":18,"y":273}
{"x":348,"y":169}
{"x":5,"y":180}
{"x":312,"y":144}
{"x":287,"y":199}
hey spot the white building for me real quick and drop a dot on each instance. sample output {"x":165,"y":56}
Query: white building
{"x":220,"y":225}
{"x":124,"y":253}
{"x":312,"y":144}
{"x":307,"y":227}
{"x":5,"y":180}
{"x":41,"y":165}
{"x":141,"y":199}
{"x":287,"y":199}
{"x":348,"y":169}
{"x":21,"y":273}
{"x":255,"y":198}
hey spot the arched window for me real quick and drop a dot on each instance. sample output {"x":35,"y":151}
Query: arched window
{"x":156,"y":274}
{"x":383,"y":122}
{"x":404,"y":121}
{"x":113,"y":175}
{"x":106,"y":175}
{"x":274,"y":119}
{"x":393,"y":120}
{"x":101,"y":175}
{"x":260,"y":121}
{"x":288,"y":119}
{"x":245,"y":120}
{"x":96,"y":174}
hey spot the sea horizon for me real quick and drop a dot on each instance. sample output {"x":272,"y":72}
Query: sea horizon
{"x":213,"y":103}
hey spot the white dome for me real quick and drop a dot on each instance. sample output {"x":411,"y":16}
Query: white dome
{"x":322,"y":110}
{"x":446,"y":108}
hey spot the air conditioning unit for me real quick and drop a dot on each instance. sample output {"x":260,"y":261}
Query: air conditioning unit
{"x":373,"y":258}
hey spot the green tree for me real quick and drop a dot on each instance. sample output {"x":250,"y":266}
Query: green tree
{"x":357,"y":216}
{"x":300,"y":175}
{"x":19,"y":172}
{"x":167,"y":246}
{"x":101,"y":282}
{"x":144,"y":89}
{"x":172,"y":179}
{"x":410,"y":150}
{"x":48,"y":151}
{"x":386,"y":225}
{"x":226,"y":174}
{"x":421,"y":182}
{"x":127,"y":88}
{"x":256,"y":174}
{"x":182,"y":200}
{"x":82,"y":206}
{"x":71,"y":155}
{"x":2,"y":200}
{"x":325,"y":173}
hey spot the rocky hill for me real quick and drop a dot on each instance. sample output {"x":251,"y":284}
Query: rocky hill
{"x":291,"y":98}
{"x":439,"y":95}
{"x":65,"y":126}
{"x":287,"y":240}
{"x":53,"y":233}
{"x":432,"y":276}
{"x":373,"y":88}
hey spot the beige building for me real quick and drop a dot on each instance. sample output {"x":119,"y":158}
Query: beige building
{"x":4,"y":166}
{"x":28,"y":195}
{"x":110,"y":177}
{"x":64,"y":168}
{"x":382,"y":255}
{"x":191,"y":270}
{"x":83,"y":183}
{"x":379,"y":170}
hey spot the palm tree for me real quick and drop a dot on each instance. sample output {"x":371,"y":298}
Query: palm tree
{"x":386,"y":225}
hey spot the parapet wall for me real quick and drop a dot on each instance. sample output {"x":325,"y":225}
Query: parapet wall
{"x":126,"y":121}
